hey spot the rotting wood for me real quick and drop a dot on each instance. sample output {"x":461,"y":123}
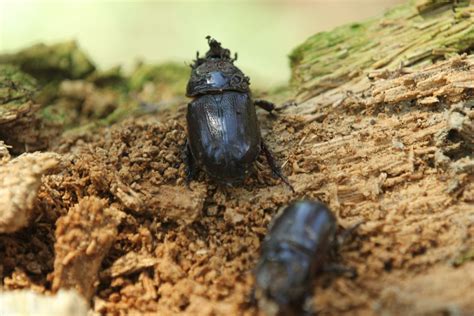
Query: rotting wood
{"x":83,"y":238}
{"x":391,"y":147}
{"x":20,"y":179}
{"x":402,"y":37}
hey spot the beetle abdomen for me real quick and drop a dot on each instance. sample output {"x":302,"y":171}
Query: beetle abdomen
{"x":223,"y":134}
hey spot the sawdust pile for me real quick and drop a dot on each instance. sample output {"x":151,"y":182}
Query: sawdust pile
{"x":116,"y":222}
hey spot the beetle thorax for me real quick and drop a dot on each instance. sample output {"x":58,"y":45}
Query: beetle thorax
{"x":215,"y":75}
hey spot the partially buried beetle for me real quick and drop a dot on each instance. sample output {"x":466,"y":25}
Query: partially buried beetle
{"x":223,"y":133}
{"x":296,"y":249}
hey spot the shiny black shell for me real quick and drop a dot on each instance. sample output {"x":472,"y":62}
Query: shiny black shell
{"x":223,"y":134}
{"x":294,"y":250}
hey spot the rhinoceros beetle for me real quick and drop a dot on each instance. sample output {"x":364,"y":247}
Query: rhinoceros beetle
{"x":299,"y":242}
{"x":223,"y":133}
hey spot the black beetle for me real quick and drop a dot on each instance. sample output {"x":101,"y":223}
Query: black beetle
{"x":295,"y":250}
{"x":223,"y":133}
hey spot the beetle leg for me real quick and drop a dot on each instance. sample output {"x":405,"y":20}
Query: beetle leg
{"x":340,"y":269}
{"x":346,"y":234}
{"x":251,"y":298}
{"x":190,"y":165}
{"x":264,"y":104}
{"x":337,"y":244}
{"x":274,"y":166}
{"x":341,"y":239}
{"x":308,"y":308}
{"x":286,"y":105}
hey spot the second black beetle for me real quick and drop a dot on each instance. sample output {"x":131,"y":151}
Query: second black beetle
{"x":223,"y":133}
{"x":297,"y":247}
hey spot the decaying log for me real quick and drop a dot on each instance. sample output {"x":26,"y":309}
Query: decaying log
{"x":84,"y":237}
{"x":406,"y":36}
{"x":20,"y":179}
{"x":383,"y":133}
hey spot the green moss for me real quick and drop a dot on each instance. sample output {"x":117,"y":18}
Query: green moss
{"x":464,"y":257}
{"x":54,"y":114}
{"x":321,"y":44}
{"x":112,"y":78}
{"x":52,"y":62}
{"x":16,"y":87}
{"x":401,"y":11}
{"x":126,"y":108}
{"x":172,"y":75}
{"x":412,"y":34}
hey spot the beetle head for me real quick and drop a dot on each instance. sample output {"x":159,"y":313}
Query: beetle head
{"x":215,"y":52}
{"x":216,"y":72}
{"x":282,"y":275}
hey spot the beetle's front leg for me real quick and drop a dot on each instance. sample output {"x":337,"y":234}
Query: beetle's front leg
{"x":251,"y":298}
{"x":308,"y":308}
{"x":347,"y":233}
{"x":190,"y":163}
{"x":274,"y":166}
{"x":339,"y":269}
{"x":333,"y":267}
{"x":286,"y":105}
{"x":341,"y":239}
{"x":264,"y":104}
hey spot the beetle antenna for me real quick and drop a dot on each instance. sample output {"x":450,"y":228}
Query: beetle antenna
{"x":198,"y":61}
{"x":235,"y":57}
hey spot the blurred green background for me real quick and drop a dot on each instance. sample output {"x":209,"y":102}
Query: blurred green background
{"x":121,"y":32}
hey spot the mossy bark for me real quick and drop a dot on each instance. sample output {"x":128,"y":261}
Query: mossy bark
{"x":414,"y":34}
{"x":49,"y":62}
{"x":16,"y":93}
{"x":53,"y":88}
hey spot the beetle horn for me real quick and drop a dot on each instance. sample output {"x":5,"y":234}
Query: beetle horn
{"x":216,"y":50}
